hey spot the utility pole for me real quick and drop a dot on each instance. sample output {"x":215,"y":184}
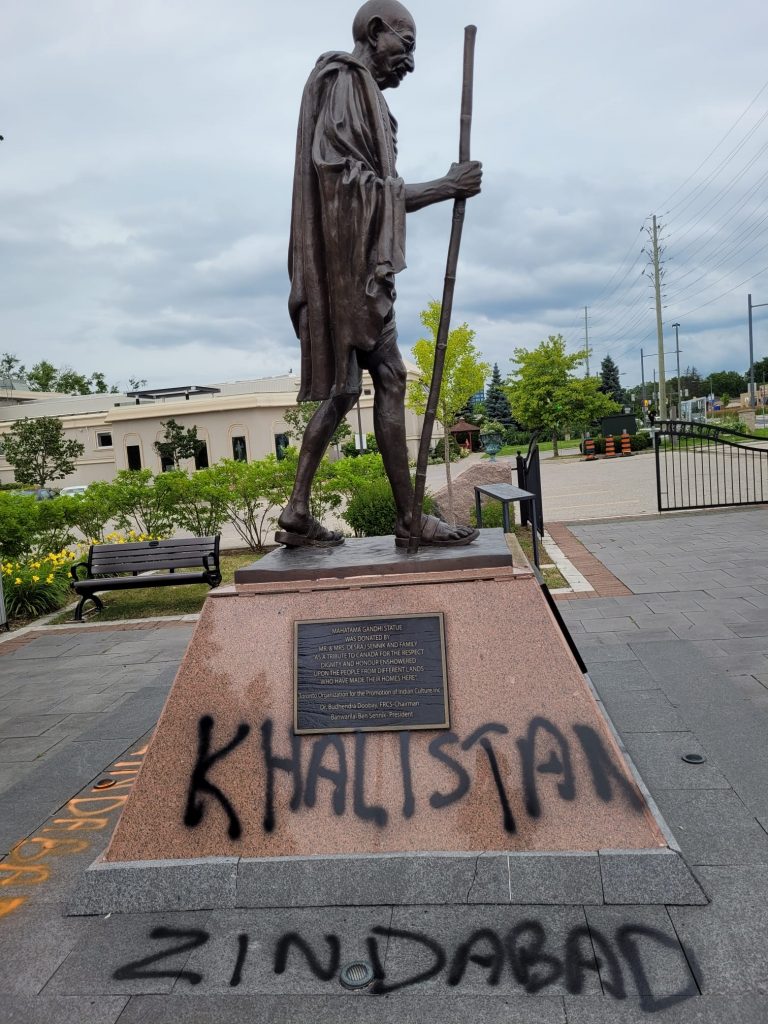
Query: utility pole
{"x":679,"y":389}
{"x":750,"y":306}
{"x":659,"y":329}
{"x":586,"y":335}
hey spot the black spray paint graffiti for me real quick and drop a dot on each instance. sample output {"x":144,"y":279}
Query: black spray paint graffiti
{"x":544,"y":750}
{"x":520,"y":955}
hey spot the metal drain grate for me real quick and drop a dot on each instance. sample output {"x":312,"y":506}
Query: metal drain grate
{"x":358,"y":974}
{"x":694,"y":758}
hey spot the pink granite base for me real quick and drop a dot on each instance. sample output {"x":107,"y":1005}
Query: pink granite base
{"x":508,"y":667}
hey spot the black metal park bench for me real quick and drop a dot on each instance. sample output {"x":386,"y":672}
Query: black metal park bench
{"x":149,"y":563}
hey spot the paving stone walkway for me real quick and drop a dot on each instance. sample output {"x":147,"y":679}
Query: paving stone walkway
{"x":681,"y":663}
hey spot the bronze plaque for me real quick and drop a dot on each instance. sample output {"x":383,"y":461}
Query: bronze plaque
{"x":376,"y":673}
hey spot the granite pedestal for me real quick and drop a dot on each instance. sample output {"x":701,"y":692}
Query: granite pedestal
{"x":528,"y":797}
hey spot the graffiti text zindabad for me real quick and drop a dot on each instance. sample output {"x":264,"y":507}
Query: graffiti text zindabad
{"x":543,"y":752}
{"x":523,"y":955}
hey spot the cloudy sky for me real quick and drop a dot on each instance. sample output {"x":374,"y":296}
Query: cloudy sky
{"x":145,"y":178}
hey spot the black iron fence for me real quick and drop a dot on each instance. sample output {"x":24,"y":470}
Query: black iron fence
{"x":529,"y":478}
{"x":699,"y":465}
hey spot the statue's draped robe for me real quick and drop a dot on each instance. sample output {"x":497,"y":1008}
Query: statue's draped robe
{"x":347,"y":225}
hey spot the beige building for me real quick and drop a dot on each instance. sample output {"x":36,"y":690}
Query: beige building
{"x":240,"y":419}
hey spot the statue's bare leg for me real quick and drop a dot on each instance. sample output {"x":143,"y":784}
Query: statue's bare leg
{"x":389,"y":378}
{"x":296,"y":519}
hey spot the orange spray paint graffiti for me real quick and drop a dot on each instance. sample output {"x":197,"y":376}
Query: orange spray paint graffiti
{"x":32,"y":861}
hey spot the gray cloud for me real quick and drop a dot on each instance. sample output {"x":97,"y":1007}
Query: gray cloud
{"x":145,"y":193}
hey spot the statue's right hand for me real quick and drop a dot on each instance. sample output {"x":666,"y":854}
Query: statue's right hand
{"x":465,"y":178}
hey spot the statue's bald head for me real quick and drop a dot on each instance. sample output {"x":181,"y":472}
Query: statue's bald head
{"x":390,"y":11}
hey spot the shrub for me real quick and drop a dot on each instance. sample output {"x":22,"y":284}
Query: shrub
{"x":53,"y":527}
{"x":18,"y":525}
{"x":351,"y":473}
{"x":371,"y":511}
{"x":198,"y":502}
{"x":350,"y":451}
{"x":36,"y":587}
{"x":253,"y":493}
{"x":438,"y":454}
{"x":137,"y":503}
{"x":91,"y":511}
{"x":493,"y":517}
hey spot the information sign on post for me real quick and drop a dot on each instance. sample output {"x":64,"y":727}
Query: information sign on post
{"x":377,"y":673}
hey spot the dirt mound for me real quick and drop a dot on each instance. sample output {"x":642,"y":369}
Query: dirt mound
{"x":487,"y":472}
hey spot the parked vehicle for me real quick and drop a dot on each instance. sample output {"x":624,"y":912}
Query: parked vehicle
{"x":41,"y":493}
{"x":73,"y":489}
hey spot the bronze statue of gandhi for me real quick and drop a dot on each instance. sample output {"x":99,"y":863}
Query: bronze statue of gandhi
{"x":347,"y":244}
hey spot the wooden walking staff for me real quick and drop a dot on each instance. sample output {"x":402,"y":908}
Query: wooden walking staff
{"x":448,"y":287}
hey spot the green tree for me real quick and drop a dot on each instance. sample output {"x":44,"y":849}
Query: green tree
{"x":198,"y":501}
{"x":464,"y":375}
{"x":727,"y":382}
{"x":610,"y":381}
{"x":299,"y":416}
{"x":178,"y":442}
{"x":39,"y":452}
{"x":496,"y":401}
{"x":44,"y":376}
{"x":137,"y":504}
{"x":545,"y":394}
{"x":11,"y":368}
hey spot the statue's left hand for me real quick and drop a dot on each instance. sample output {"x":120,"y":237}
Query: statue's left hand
{"x":465,"y":179}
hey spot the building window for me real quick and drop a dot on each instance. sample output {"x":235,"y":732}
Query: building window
{"x":133,"y":455}
{"x":281,"y":443}
{"x":367,"y":391}
{"x":239,"y":451}
{"x":201,"y":456}
{"x":104,"y":440}
{"x":167,"y":463}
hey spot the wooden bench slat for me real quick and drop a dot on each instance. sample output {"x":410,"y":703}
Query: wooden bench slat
{"x":143,"y":565}
{"x":197,"y":558}
{"x":198,"y":544}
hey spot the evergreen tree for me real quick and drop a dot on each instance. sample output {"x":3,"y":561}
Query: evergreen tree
{"x":610,"y":382}
{"x":496,"y":401}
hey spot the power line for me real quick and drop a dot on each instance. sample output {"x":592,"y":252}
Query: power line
{"x":713,"y":151}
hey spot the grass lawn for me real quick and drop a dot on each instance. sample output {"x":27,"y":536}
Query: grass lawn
{"x":141,"y":604}
{"x":552,"y":577}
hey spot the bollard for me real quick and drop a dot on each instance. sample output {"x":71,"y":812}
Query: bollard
{"x":610,"y":447}
{"x":626,"y":446}
{"x":589,"y":450}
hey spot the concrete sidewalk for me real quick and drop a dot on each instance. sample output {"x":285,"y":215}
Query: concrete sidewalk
{"x":681,"y":663}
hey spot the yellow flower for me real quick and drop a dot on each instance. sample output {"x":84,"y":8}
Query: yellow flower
{"x":49,"y":578}
{"x":35,"y":565}
{"x":18,"y":580}
{"x":36,"y":579}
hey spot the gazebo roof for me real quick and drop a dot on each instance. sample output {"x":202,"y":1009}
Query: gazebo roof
{"x":462,"y":427}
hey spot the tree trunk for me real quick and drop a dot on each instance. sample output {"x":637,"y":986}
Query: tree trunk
{"x":449,"y":483}
{"x":555,"y":452}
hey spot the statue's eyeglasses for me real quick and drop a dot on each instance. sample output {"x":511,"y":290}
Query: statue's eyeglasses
{"x":409,"y":44}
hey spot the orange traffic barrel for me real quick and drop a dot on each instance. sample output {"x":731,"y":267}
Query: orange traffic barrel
{"x":610,"y":447}
{"x":589,"y":450}
{"x":626,"y":447}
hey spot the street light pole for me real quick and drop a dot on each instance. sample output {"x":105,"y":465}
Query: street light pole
{"x":642,"y":375}
{"x":679,"y":392}
{"x":750,"y":306}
